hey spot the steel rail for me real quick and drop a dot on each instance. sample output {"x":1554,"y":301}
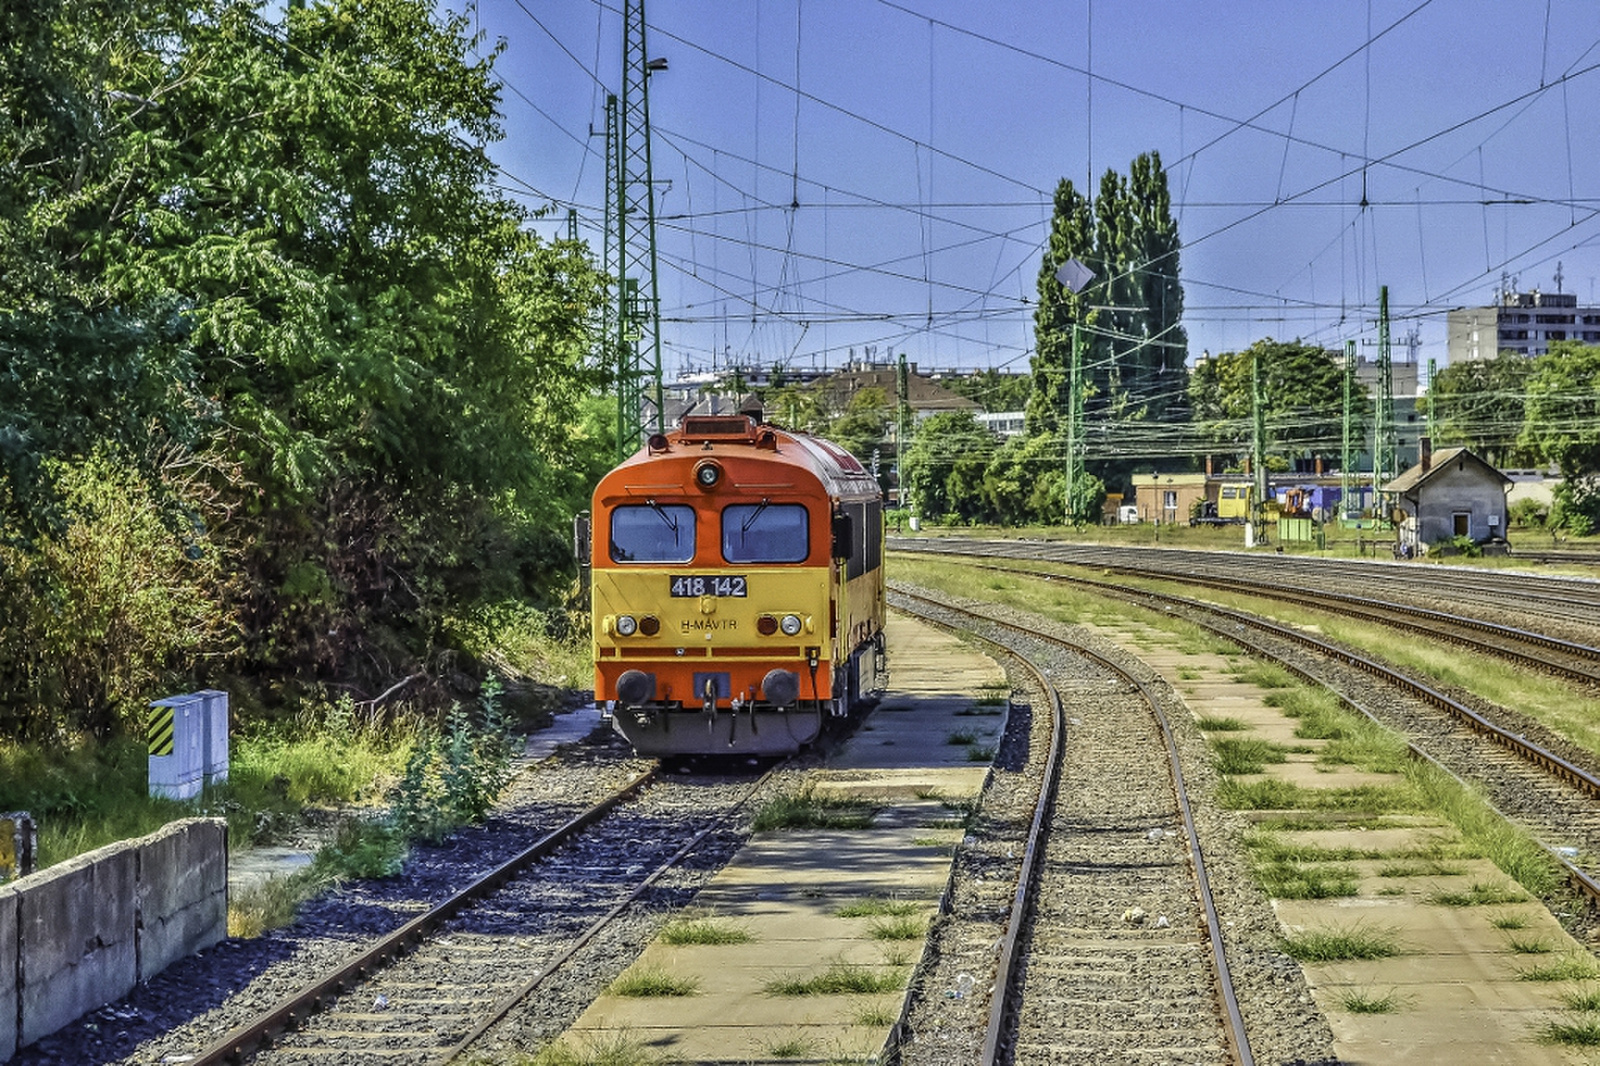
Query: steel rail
{"x":1002,"y":1005}
{"x":1551,"y":763}
{"x":243,"y":1041}
{"x":1358,"y":606}
{"x":509,"y":1003}
{"x":1528,"y":588}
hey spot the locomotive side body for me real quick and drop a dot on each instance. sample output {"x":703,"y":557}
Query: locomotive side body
{"x":737,"y":589}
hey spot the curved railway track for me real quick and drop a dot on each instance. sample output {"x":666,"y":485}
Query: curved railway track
{"x":1567,"y":659}
{"x":1549,"y":794}
{"x":1073,"y":976}
{"x":425,"y":992}
{"x":1567,"y":602}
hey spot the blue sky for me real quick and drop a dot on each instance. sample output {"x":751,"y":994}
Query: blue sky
{"x":922,"y":140}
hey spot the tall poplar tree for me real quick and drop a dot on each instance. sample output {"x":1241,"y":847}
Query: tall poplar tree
{"x":1134,"y":348}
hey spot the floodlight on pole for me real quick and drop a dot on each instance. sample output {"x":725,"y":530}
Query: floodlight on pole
{"x":1074,"y":277}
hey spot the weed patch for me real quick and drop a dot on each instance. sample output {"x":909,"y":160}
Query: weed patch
{"x":1481,"y":894}
{"x":1568,"y":968}
{"x":805,"y":809}
{"x":1215,"y":723}
{"x":840,"y":978}
{"x":646,"y":981}
{"x":1363,"y":1002}
{"x":1340,"y":944}
{"x":705,"y":931}
{"x":902,"y":928}
{"x":878,"y":907}
{"x":1575,"y":1032}
{"x":1246,"y":755}
{"x":1291,"y":880}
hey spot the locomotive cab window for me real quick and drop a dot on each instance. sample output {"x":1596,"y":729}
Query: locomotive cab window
{"x":652,"y":533}
{"x":766,"y":533}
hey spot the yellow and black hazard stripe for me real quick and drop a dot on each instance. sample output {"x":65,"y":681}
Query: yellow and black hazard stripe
{"x":160,"y":730}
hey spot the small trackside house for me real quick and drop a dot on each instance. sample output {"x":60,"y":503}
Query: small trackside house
{"x":1449,"y":493}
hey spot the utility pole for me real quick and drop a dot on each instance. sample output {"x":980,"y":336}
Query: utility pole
{"x":902,"y":431}
{"x":631,"y":193}
{"x":1258,"y":450}
{"x":1074,"y":277}
{"x":1348,"y":485}
{"x":1075,"y":426}
{"x":1433,"y":368}
{"x":1384,"y":446}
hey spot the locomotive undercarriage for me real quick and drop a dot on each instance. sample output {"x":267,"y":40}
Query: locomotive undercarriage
{"x":750,"y":729}
{"x":744,"y":726}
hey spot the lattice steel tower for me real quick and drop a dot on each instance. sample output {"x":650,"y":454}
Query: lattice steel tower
{"x":631,"y":240}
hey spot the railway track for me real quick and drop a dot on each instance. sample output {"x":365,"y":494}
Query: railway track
{"x":1562,"y":604}
{"x":1566,"y":659}
{"x":1550,"y":795}
{"x":1104,"y":979}
{"x":427,"y":991}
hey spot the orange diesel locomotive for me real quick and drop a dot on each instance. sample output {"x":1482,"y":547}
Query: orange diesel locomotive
{"x":737,"y":588}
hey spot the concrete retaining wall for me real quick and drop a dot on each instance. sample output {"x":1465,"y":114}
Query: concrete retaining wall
{"x":80,"y":934}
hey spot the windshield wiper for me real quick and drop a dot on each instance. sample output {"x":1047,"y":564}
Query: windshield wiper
{"x":744,"y":527}
{"x":672,"y":523}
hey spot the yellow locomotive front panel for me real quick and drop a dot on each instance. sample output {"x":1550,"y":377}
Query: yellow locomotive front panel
{"x":732,"y":604}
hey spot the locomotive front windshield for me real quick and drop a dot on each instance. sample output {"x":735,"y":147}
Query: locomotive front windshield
{"x":652,"y":533}
{"x":765,"y":533}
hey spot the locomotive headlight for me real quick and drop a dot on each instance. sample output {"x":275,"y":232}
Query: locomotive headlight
{"x":707,"y":474}
{"x":766,"y":625}
{"x":649,"y":625}
{"x":790,"y":624}
{"x":627,"y":625}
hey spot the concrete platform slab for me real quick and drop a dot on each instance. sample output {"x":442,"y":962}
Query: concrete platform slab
{"x":787,"y":888}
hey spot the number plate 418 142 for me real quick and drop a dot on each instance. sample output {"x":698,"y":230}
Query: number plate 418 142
{"x":707,"y":585}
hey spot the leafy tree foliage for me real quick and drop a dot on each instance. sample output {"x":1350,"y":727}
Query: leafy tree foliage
{"x":273,"y":235}
{"x":1563,"y":427}
{"x":1302,"y":389}
{"x":1480,"y":404}
{"x":992,"y":390}
{"x":944,"y":468}
{"x":861,"y":427}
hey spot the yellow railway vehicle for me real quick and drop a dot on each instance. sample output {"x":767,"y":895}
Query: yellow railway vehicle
{"x":737,"y":591}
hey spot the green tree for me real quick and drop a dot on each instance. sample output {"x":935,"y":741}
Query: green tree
{"x":1480,"y":404}
{"x":281,"y":226}
{"x":1024,"y":481}
{"x":87,"y":369}
{"x":1133,"y":346}
{"x":1302,"y":389}
{"x":992,"y":390}
{"x":1563,"y":427}
{"x":861,"y":426}
{"x":945,"y":465}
